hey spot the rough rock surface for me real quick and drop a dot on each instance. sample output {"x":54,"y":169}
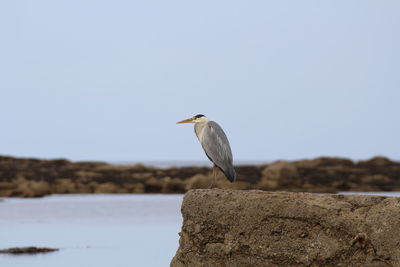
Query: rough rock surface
{"x":258,"y":228}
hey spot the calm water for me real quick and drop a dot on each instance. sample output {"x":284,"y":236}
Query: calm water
{"x":92,"y":230}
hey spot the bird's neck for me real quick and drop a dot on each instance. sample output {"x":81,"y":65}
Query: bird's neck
{"x":198,"y":129}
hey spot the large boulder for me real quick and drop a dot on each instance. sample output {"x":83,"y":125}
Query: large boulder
{"x":257,"y":228}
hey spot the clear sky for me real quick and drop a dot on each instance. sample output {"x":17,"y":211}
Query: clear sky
{"x":107,"y":80}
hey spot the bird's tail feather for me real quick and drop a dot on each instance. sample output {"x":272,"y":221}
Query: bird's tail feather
{"x":230,"y":174}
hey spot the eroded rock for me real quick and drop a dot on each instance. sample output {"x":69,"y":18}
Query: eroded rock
{"x":258,"y":228}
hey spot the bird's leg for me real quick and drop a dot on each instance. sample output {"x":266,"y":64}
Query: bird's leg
{"x":213,"y":182}
{"x":214,"y":170}
{"x":215,"y":174}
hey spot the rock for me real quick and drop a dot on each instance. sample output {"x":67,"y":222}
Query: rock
{"x":172,"y":185}
{"x":280,"y":174}
{"x":64,"y":186}
{"x":153,"y":185}
{"x":199,"y":181}
{"x":22,"y":177}
{"x":32,"y":188}
{"x":108,"y":188}
{"x":377,"y":161}
{"x":27,"y":250}
{"x":258,"y":228}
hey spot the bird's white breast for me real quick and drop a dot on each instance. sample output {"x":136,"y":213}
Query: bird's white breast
{"x":198,"y":129}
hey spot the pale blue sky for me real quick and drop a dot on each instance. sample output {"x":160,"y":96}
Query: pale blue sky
{"x":107,"y":80}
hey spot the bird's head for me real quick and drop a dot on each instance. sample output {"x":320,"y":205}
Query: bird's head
{"x":195,"y":119}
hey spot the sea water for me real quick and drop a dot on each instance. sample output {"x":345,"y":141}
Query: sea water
{"x":92,"y":230}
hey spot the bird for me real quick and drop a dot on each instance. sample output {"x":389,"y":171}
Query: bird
{"x":215,"y":144}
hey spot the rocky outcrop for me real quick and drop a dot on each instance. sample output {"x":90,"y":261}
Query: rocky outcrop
{"x":27,"y":250}
{"x":257,"y":228}
{"x":20,"y":177}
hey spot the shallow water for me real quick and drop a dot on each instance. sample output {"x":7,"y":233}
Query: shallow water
{"x":92,"y":230}
{"x":95,"y":230}
{"x":386,"y":194}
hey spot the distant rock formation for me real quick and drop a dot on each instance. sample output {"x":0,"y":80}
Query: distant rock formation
{"x":27,"y":250}
{"x":257,"y":228}
{"x":21,"y":177}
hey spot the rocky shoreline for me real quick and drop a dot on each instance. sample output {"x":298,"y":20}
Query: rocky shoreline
{"x":24,"y":177}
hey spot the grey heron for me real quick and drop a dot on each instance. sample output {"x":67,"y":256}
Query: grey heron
{"x":215,"y":144}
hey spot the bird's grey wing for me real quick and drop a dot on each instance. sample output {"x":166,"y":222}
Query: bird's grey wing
{"x":216,"y":145}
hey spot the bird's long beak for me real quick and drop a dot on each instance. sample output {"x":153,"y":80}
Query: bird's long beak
{"x":185,"y":121}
